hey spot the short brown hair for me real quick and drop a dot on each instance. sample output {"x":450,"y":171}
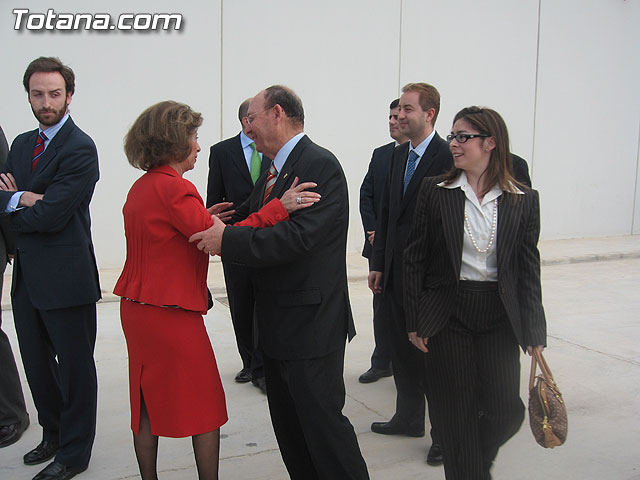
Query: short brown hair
{"x":243,"y":109}
{"x":161,"y":134}
{"x":50,"y":64}
{"x":429,"y":97}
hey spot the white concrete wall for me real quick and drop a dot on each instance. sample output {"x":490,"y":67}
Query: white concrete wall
{"x":563,"y":74}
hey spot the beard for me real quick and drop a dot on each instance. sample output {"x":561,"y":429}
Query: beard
{"x":52,"y":117}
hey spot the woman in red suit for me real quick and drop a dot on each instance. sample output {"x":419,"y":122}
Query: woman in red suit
{"x":175,"y":388}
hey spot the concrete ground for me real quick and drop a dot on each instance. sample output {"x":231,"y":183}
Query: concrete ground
{"x":592,"y":304}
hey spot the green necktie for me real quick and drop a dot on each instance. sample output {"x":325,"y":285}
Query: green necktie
{"x":256,"y":163}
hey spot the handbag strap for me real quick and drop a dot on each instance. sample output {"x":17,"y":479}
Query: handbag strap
{"x":544,"y":368}
{"x":538,"y":359}
{"x":532,"y":376}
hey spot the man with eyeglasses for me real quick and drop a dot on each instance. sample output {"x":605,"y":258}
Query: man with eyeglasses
{"x":425,"y":155}
{"x":370,"y":196}
{"x":302,"y":302}
{"x":234,"y":167}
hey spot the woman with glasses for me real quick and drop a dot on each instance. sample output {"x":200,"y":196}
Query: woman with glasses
{"x":175,"y":388}
{"x":473,"y":295}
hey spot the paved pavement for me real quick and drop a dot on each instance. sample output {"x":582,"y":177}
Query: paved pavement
{"x":590,"y":289}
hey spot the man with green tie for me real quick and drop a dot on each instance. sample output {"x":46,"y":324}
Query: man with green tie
{"x":234,"y":167}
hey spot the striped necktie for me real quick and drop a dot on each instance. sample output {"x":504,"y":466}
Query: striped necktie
{"x":271,"y":180}
{"x":411,"y":169}
{"x":256,"y":163}
{"x":37,"y":152}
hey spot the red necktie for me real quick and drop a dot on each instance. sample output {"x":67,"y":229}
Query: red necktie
{"x":37,"y":152}
{"x":271,"y":180}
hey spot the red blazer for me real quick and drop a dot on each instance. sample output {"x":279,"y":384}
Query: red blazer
{"x":162,"y":268}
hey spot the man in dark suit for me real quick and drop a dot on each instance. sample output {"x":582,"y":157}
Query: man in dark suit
{"x":425,"y":155}
{"x":13,"y":413}
{"x":370,"y":196}
{"x":46,"y":187}
{"x":303,"y":309}
{"x":234,"y":166}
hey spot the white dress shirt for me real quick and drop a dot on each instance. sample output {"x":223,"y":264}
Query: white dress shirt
{"x":477,"y":265}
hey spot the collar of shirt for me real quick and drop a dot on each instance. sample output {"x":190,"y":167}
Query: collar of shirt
{"x":422,"y":147}
{"x":51,"y":131}
{"x":284,"y":152}
{"x":462,"y":183}
{"x":246,"y":142}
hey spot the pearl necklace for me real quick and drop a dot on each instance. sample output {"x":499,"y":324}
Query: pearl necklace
{"x":493,"y":229}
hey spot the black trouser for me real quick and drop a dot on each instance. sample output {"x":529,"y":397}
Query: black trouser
{"x":57,"y":353}
{"x":12,"y":407}
{"x":408,"y":371}
{"x":241,"y":305}
{"x":473,"y":365}
{"x":306,"y":398}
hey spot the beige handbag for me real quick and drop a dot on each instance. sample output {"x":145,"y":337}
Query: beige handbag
{"x":547,"y":411}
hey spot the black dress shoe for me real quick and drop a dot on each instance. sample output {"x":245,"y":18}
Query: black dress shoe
{"x":58,"y":471}
{"x":374,"y":374}
{"x":434,"y":457}
{"x":45,"y":450}
{"x":261,"y":383}
{"x":396,"y":427}
{"x":243,"y":376}
{"x":10,"y":434}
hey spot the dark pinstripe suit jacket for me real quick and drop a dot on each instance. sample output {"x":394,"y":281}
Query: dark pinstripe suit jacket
{"x":433,"y":257}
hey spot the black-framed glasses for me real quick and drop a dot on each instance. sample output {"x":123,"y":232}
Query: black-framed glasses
{"x":463,"y":137}
{"x":252,"y":117}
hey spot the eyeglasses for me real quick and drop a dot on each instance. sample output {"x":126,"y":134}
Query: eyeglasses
{"x":463,"y":137}
{"x":250,"y":118}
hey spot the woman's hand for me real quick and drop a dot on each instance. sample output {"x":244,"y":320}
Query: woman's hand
{"x":220,"y":210}
{"x":419,"y":342}
{"x":296,"y":198}
{"x":530,"y":348}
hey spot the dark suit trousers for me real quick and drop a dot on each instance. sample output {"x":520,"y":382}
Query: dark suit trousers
{"x":12,"y":407}
{"x":381,"y":358}
{"x":57,"y":354}
{"x":474,"y":367}
{"x":306,"y":398}
{"x":241,"y":305}
{"x":408,"y":371}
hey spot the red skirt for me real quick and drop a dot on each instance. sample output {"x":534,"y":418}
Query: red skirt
{"x":172,"y":364}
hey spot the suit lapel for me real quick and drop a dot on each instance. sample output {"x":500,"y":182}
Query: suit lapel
{"x":509,"y":213}
{"x":59,"y":139}
{"x":240,"y":161}
{"x":285,"y":177}
{"x":425,"y":169}
{"x":452,"y":211}
{"x":397,"y":174}
{"x":22,"y":171}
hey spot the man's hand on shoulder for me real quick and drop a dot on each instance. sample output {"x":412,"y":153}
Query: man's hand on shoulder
{"x":210,"y":240}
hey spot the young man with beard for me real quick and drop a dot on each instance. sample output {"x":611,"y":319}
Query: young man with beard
{"x":45,"y":188}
